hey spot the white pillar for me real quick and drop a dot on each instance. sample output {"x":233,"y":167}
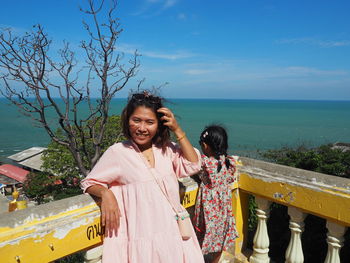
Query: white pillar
{"x":93,"y":255}
{"x":261,"y":238}
{"x":335,"y":241}
{"x":294,"y":253}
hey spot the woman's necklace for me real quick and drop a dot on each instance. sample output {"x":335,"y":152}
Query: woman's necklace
{"x":148,"y":154}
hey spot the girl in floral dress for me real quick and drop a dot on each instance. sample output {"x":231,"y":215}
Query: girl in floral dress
{"x":214,"y":222}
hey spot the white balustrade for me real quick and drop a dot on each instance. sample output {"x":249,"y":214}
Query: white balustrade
{"x":294,"y":253}
{"x":261,"y":238}
{"x":93,"y":255}
{"x":335,"y":241}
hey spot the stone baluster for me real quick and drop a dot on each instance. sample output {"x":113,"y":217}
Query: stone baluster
{"x":93,"y":255}
{"x":335,"y":241}
{"x":294,"y":253}
{"x":261,"y":238}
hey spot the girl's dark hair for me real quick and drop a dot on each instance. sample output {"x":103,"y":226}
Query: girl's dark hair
{"x":215,"y":136}
{"x":150,"y":101}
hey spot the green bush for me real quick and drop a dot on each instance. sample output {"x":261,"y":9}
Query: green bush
{"x":323,"y":159}
{"x":61,"y":176}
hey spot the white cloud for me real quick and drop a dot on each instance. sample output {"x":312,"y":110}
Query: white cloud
{"x":315,"y":42}
{"x":198,"y":71}
{"x":171,"y":56}
{"x":155,"y":7}
{"x":307,"y":71}
{"x":15,"y":30}
{"x":169,"y":3}
{"x":248,"y":79}
{"x":180,"y":54}
{"x":181,"y":16}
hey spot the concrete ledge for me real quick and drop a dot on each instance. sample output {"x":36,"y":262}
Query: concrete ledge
{"x":50,"y":231}
{"x":323,"y":195}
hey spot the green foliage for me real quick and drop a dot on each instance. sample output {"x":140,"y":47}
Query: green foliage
{"x":43,"y":187}
{"x":59,"y":166}
{"x":323,"y":159}
{"x":64,"y":191}
{"x":74,"y":258}
{"x":252,"y":217}
{"x":37,"y":186}
{"x":59,"y":160}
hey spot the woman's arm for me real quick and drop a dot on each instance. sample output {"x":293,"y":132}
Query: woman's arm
{"x":187,"y":149}
{"x":110,"y":212}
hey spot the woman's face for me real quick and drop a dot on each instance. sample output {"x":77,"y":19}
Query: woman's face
{"x":143,"y":126}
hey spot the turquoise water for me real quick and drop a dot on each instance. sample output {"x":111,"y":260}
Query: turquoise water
{"x":251,"y":124}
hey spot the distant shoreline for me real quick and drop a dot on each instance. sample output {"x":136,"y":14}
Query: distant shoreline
{"x":228,"y":99}
{"x":251,"y":124}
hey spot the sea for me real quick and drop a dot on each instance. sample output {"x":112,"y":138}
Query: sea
{"x":253,"y":125}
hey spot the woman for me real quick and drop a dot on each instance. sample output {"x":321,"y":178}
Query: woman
{"x":140,"y":224}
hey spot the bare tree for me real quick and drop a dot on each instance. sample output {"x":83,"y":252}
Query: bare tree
{"x":26,"y":60}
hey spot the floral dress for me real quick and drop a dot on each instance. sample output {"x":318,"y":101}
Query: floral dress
{"x":214,"y":222}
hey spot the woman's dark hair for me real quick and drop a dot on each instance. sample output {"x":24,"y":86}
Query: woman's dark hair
{"x":215,"y":136}
{"x":150,"y":101}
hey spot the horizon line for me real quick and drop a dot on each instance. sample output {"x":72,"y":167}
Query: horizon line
{"x":242,"y":99}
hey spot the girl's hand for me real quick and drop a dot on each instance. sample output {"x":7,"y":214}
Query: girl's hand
{"x":110,"y":213}
{"x":169,"y":119}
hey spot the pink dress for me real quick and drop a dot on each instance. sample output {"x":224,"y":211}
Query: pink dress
{"x":148,"y":231}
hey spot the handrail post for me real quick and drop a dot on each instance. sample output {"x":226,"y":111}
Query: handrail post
{"x":335,"y":241}
{"x":261,"y":238}
{"x":93,"y":255}
{"x":294,"y":253}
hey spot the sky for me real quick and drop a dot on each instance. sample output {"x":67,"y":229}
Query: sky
{"x":234,"y":49}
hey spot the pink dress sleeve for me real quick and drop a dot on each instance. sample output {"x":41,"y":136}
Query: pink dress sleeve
{"x":105,"y":171}
{"x":181,"y":165}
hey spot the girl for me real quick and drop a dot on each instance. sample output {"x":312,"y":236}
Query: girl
{"x":137,"y":180}
{"x":214,"y":222}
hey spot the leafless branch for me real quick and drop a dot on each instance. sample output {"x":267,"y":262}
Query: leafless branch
{"x":32,"y":77}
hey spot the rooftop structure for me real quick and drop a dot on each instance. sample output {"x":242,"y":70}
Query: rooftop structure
{"x":30,"y":158}
{"x":13,"y":172}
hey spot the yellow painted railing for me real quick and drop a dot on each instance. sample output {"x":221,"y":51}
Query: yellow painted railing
{"x":51,"y":231}
{"x":322,"y":195}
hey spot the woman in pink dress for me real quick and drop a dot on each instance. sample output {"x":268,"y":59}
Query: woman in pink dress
{"x":140,"y":223}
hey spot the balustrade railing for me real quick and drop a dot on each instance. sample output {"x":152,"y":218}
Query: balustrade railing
{"x":51,"y":231}
{"x":304,"y":192}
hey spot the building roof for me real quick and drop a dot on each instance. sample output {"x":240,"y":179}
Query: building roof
{"x":33,"y":162}
{"x":4,"y":180}
{"x":21,"y":156}
{"x":29,"y":158}
{"x":14,"y":172}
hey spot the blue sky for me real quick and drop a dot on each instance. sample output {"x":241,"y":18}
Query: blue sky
{"x":285,"y":49}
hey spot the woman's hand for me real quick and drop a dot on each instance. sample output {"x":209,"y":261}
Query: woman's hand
{"x":186,"y":147}
{"x":110,"y":213}
{"x":169,"y":120}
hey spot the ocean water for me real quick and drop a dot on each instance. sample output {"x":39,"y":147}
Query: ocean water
{"x":251,"y":124}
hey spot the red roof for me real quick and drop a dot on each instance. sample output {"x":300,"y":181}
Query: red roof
{"x":14,"y":172}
